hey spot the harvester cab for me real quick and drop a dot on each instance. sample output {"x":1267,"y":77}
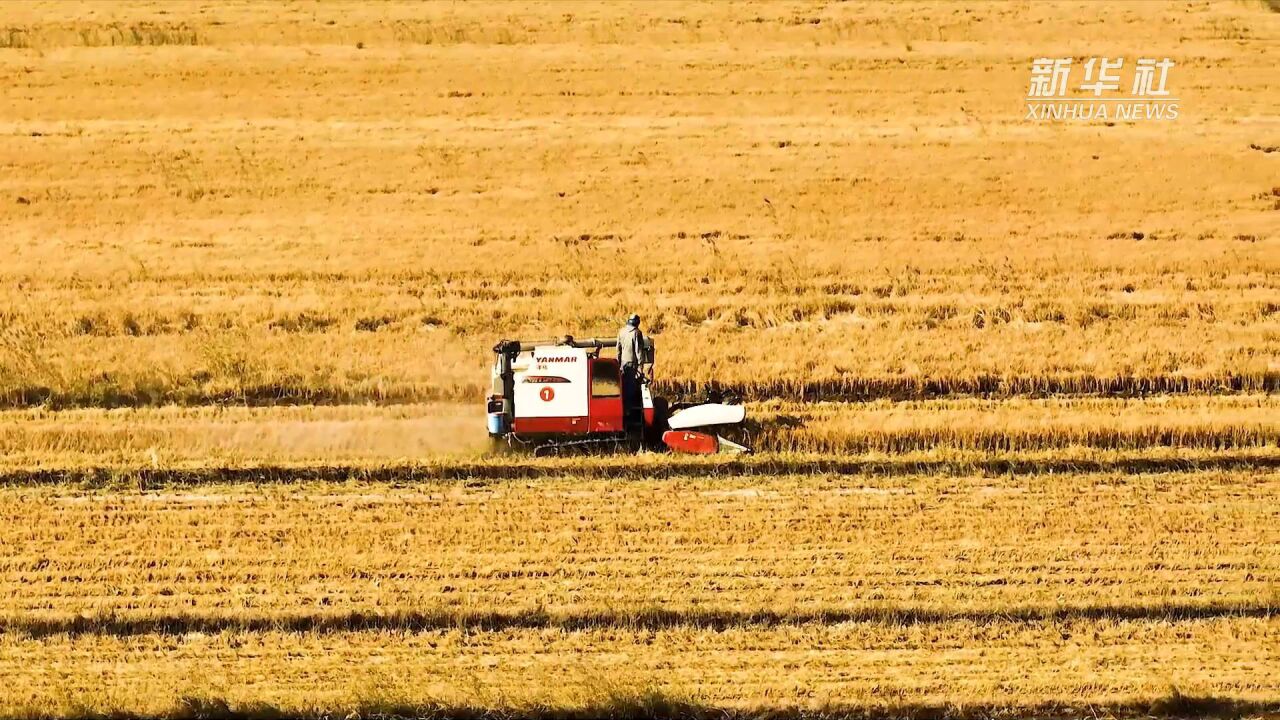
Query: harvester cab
{"x":553,"y":396}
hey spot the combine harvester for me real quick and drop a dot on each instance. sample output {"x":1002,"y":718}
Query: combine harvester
{"x":561,"y":395}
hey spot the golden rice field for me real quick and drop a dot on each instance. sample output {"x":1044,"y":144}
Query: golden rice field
{"x":345,"y":203}
{"x":1012,"y":384}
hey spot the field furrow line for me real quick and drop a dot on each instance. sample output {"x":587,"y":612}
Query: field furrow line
{"x":590,"y":468}
{"x":37,"y":625}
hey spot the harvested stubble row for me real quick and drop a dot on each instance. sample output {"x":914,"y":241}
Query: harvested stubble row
{"x":1083,"y":428}
{"x":1163,"y":544}
{"x":1008,"y":664}
{"x":787,"y":592}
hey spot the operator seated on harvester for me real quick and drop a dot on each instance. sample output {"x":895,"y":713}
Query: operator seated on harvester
{"x":631,"y":357}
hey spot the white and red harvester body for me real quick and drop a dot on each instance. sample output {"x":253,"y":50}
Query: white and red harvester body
{"x":560,"y":394}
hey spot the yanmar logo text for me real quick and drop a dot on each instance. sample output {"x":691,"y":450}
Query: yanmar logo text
{"x":559,"y":359}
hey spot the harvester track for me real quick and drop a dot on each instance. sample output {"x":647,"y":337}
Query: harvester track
{"x":570,"y":447}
